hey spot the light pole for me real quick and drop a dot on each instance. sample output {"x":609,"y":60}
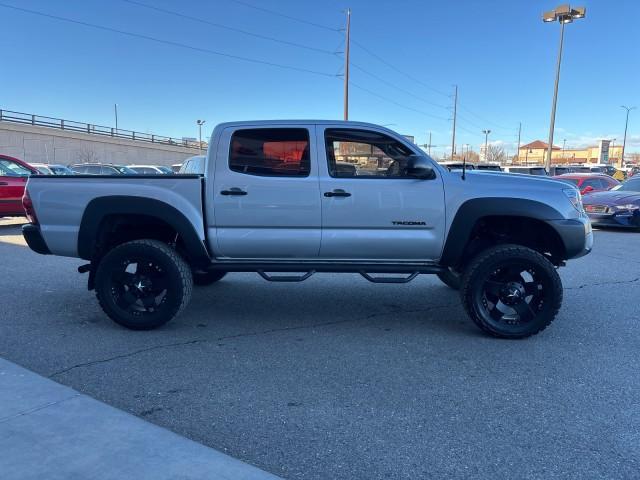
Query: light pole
{"x":626,"y":124}
{"x":115,"y":109}
{"x":200,"y":123}
{"x":563,"y":14}
{"x":486,"y":138}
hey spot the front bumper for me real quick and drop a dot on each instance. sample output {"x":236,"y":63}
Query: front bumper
{"x":625,"y":218}
{"x":576,"y":235}
{"x":33,"y":237}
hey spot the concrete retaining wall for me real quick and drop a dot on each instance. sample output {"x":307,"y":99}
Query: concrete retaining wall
{"x":50,"y":145}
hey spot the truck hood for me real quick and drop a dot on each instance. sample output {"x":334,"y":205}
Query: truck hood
{"x":487,"y":176}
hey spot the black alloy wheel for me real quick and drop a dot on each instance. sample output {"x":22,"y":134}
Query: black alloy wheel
{"x":511,"y":291}
{"x":143,"y":284}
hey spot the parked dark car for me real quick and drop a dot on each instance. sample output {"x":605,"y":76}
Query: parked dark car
{"x":589,"y":182}
{"x":13,"y":178}
{"x":101,"y":169}
{"x":619,"y":207}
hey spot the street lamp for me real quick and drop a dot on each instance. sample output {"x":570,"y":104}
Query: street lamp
{"x":563,"y":14}
{"x":200,"y":123}
{"x":626,"y":124}
{"x":486,"y":137}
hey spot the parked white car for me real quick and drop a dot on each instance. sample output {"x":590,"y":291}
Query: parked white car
{"x":151,"y":169}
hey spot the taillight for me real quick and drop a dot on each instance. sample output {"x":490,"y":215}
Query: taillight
{"x":29,"y":211}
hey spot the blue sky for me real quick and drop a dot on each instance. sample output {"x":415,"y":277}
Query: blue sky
{"x":499,"y":53}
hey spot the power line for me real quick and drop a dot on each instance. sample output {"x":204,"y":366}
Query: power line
{"x":392,"y":85}
{"x":226,"y":27}
{"x":284,"y":15}
{"x":396,"y":103}
{"x":396,"y":69}
{"x":484,"y":119}
{"x":168,"y":42}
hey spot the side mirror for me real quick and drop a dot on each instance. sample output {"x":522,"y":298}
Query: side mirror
{"x":420,"y":168}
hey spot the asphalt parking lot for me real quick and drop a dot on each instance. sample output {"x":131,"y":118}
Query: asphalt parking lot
{"x":340,"y":378}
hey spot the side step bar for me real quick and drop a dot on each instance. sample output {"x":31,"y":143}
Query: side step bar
{"x":328,"y":267}
{"x":406,"y":279}
{"x":285,"y":278}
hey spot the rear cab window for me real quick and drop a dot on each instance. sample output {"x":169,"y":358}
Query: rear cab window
{"x":270,"y":152}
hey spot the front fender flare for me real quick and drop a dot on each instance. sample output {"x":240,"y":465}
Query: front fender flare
{"x":475,"y":209}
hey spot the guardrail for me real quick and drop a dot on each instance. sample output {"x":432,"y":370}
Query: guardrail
{"x":70,"y":125}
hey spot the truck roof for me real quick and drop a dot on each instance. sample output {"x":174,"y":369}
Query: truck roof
{"x":348,"y":123}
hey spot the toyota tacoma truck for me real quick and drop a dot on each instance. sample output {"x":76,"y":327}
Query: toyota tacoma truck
{"x":288,"y":199}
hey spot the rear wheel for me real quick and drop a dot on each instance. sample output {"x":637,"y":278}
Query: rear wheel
{"x":201,"y":277}
{"x":143,"y":284}
{"x":511,"y":291}
{"x":451,"y":278}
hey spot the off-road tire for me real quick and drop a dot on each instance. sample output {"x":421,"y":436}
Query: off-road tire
{"x":451,"y":279}
{"x":202,"y":278}
{"x":174,"y":274}
{"x":478,"y":274}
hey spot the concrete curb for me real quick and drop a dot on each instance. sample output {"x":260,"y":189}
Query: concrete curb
{"x":51,"y":431}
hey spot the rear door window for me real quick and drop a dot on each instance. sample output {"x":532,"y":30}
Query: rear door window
{"x":279,"y":152}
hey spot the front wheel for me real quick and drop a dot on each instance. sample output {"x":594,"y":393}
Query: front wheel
{"x":510,"y":291}
{"x":143,"y":284}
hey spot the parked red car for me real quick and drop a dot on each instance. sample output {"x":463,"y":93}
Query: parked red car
{"x":13,"y":177}
{"x":589,"y":182}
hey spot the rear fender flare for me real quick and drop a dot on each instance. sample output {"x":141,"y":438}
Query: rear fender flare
{"x":99,"y":208}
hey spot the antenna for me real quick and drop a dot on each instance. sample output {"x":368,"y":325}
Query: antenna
{"x":464,"y":167}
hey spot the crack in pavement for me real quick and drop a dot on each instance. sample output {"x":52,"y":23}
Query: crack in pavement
{"x":38,"y":408}
{"x":597,"y":284}
{"x":239,"y":335}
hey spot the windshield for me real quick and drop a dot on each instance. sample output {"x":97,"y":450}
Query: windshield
{"x":166,"y":170}
{"x":629,"y":186}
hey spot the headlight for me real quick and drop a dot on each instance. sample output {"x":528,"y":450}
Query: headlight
{"x":574,"y":196}
{"x":629,"y":206}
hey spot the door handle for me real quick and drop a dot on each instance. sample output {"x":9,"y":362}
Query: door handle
{"x":338,"y":192}
{"x":4,"y":183}
{"x":233,"y":191}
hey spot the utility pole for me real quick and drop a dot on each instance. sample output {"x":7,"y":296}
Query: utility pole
{"x":455,"y":111}
{"x":346,"y":65}
{"x":429,"y":146}
{"x":115,"y":109}
{"x":518,"y":151}
{"x":626,"y":124}
{"x":486,"y":138}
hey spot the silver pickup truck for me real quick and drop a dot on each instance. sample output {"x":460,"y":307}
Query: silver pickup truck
{"x":288,"y":199}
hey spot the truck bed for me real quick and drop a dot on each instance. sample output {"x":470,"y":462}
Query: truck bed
{"x":60,"y":201}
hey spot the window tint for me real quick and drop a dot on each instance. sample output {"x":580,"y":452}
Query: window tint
{"x":270,"y":152}
{"x":362,"y":153}
{"x":593,"y":183}
{"x":12,"y":169}
{"x":93,"y":169}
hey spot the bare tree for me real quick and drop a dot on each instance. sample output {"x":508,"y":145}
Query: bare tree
{"x":87,"y":155}
{"x":495,"y":154}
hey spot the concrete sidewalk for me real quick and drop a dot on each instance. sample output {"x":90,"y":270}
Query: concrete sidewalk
{"x":51,"y":431}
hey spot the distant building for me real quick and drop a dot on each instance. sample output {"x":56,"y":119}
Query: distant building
{"x":535,"y":153}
